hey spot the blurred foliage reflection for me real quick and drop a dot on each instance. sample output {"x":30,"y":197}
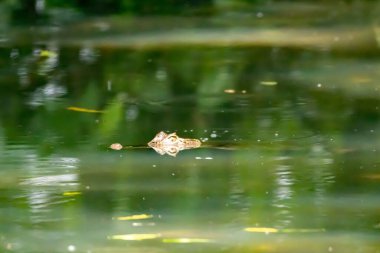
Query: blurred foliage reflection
{"x":283,"y":95}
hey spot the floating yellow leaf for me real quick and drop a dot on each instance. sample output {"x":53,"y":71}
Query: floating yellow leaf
{"x":186,"y":240}
{"x":71,"y":193}
{"x":268,"y":83}
{"x":286,"y":230}
{"x":134,"y":237}
{"x":261,"y":230}
{"x":80,"y":109}
{"x":135,"y":217}
{"x":230,"y":91}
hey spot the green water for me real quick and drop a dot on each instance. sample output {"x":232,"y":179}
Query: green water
{"x":285,"y":98}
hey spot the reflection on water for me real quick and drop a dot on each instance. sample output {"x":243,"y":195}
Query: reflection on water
{"x":235,"y":190}
{"x":50,"y":92}
{"x":283,"y":195}
{"x":43,"y":185}
{"x":187,"y":201}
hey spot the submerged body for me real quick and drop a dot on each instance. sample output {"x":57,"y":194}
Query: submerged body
{"x":171,"y":144}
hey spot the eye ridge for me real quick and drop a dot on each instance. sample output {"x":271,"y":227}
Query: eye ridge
{"x":172,"y":138}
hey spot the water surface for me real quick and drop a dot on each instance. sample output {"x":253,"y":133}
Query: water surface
{"x":289,"y":125}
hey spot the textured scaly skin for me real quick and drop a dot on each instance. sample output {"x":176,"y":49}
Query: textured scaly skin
{"x":171,"y":144}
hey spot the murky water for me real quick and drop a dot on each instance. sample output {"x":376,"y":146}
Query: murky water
{"x":288,"y":117}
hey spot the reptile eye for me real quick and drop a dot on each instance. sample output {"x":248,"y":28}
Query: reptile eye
{"x":173,"y":138}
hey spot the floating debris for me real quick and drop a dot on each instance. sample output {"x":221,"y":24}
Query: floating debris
{"x":80,"y":109}
{"x":229,"y":91}
{"x":116,"y":146}
{"x":285,"y":230}
{"x":186,"y":240}
{"x":71,"y":193}
{"x":171,"y":144}
{"x":268,"y":83}
{"x":134,"y":237}
{"x":261,"y":230}
{"x":135,"y":217}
